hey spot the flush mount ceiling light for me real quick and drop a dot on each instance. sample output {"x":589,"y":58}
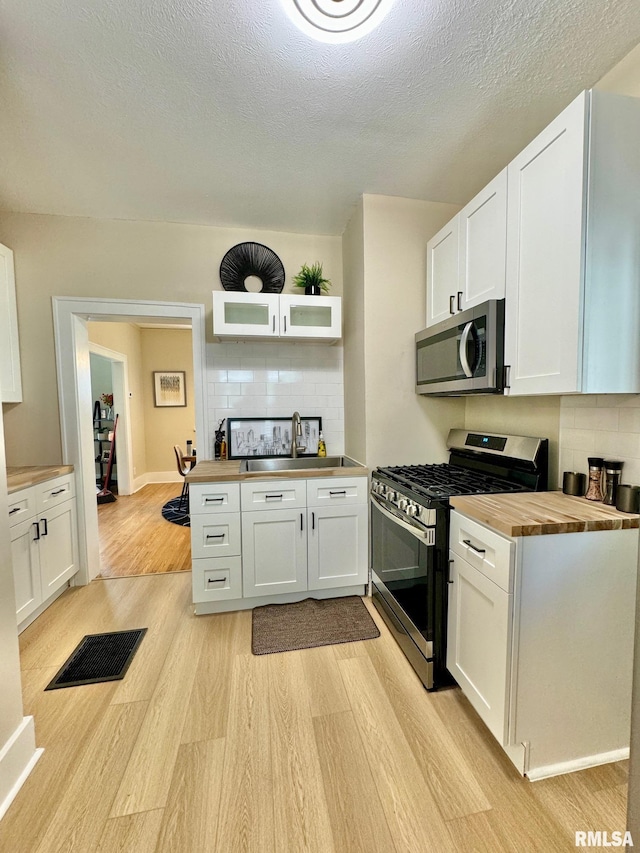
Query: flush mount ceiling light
{"x":337,"y":20}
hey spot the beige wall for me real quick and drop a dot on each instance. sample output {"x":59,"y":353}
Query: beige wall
{"x":354,"y":337}
{"x":68,"y":256}
{"x":401,"y":427}
{"x":166,"y":349}
{"x":126,"y":339}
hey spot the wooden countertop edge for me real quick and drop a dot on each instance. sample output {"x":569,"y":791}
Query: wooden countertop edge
{"x":474,"y":507}
{"x":207,"y":475}
{"x":23,"y":477}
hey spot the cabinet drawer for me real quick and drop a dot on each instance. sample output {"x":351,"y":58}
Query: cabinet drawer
{"x":484,"y":549}
{"x":215,"y":536}
{"x":54,"y":492}
{"x":217,"y":578}
{"x":273,"y":494}
{"x":22,"y":505}
{"x":214,"y":497}
{"x":337,"y":491}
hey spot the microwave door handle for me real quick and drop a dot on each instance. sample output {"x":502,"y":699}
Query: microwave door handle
{"x":464,"y":338}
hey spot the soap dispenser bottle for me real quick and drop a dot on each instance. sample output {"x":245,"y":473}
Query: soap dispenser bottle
{"x":322,"y":448}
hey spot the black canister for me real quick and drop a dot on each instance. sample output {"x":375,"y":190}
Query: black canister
{"x":612,"y":475}
{"x":574,"y":483}
{"x":628,"y":498}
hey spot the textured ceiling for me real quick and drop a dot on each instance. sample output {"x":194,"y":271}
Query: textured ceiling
{"x":224,"y":113}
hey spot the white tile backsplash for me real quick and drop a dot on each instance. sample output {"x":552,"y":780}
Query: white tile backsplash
{"x":606,"y":425}
{"x":268,"y":379}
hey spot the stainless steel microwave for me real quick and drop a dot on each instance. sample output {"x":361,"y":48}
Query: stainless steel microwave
{"x":463,"y":355}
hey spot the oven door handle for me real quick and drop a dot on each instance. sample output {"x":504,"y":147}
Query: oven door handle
{"x":428,"y":535}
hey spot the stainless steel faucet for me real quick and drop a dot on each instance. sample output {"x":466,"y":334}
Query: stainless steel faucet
{"x":296,"y":430}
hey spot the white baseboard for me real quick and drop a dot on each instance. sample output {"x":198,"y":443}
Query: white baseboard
{"x":155,"y":477}
{"x":577,"y":764}
{"x":17,"y":759}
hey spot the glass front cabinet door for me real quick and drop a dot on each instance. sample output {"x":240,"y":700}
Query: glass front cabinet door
{"x":242,"y":314}
{"x":273,"y":315}
{"x":310,"y":316}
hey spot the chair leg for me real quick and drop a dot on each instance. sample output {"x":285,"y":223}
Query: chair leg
{"x":185,"y":494}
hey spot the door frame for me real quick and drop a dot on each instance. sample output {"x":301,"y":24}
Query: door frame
{"x":120,"y":375}
{"x":70,"y":317}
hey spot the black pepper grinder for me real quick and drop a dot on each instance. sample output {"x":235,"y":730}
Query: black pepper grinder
{"x":594,"y":490}
{"x":612,"y":474}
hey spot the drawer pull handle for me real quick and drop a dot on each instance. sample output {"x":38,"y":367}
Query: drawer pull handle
{"x":273,"y":497}
{"x":214,"y":500}
{"x":469,"y":544}
{"x":58,"y":492}
{"x":215,"y":535}
{"x":15,"y":509}
{"x":342,"y":492}
{"x":37,"y":527}
{"x":216,"y":580}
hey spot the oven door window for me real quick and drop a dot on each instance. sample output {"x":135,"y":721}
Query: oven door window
{"x":405,"y":565}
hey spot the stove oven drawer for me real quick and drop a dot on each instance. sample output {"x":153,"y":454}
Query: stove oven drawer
{"x":484,"y":549}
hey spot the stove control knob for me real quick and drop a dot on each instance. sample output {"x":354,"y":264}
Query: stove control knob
{"x":403,"y":503}
{"x":391,"y":496}
{"x":412,"y":509}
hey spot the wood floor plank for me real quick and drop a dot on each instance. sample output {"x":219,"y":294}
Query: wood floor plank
{"x":136,"y":540}
{"x":191,"y":816}
{"x":323,"y":681}
{"x":451,"y":779}
{"x":134,"y":832}
{"x":227,"y":635}
{"x":474,"y":833}
{"x":411,"y":812}
{"x":301,"y":814}
{"x":78,"y":822}
{"x":357,"y":819}
{"x":245,"y":822}
{"x":146,"y":781}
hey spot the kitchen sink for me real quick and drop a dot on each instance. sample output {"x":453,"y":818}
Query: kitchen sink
{"x":248,"y":466}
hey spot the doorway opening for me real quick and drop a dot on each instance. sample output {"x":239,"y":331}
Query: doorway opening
{"x":71,"y":328}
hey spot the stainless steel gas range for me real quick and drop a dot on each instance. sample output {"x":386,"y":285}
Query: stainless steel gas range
{"x":410,"y":534}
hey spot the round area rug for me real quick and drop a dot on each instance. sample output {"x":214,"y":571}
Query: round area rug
{"x":172,"y":512}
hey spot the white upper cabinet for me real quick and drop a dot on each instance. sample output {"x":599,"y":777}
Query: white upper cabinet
{"x":274,"y":315}
{"x":442,"y":273}
{"x":466,"y":259}
{"x":10,"y":376}
{"x":483,"y":245}
{"x":572,"y":313}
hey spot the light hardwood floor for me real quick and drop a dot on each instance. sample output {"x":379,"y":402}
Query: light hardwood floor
{"x":136,"y":540}
{"x":205,"y":748}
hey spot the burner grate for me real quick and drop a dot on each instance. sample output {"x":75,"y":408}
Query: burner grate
{"x":443,"y":480}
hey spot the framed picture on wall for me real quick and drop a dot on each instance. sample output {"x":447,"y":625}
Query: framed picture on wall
{"x":258,"y":438}
{"x":169,"y":388}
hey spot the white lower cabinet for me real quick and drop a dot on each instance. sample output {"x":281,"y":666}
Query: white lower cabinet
{"x":540,"y":640}
{"x":337,"y":537}
{"x":294,"y":535}
{"x":44,"y":543}
{"x":274,"y":552}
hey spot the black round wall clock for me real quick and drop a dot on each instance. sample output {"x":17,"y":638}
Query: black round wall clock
{"x":247,"y":259}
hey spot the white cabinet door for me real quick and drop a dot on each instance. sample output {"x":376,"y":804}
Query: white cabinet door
{"x":26,"y":567}
{"x":245,"y":314}
{"x":10,"y":376}
{"x":479,"y":642}
{"x":58,"y":547}
{"x":442,"y":273}
{"x":310,"y":316}
{"x":483,"y":244}
{"x":545,"y":255}
{"x":274,"y":552}
{"x":338,"y":546}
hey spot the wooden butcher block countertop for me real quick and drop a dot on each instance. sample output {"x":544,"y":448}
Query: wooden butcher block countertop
{"x":28,"y":475}
{"x":211,"y":471}
{"x":541,"y":513}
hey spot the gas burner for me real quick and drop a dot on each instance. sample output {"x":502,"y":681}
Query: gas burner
{"x":444,"y":480}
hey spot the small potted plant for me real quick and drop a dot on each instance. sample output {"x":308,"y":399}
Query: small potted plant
{"x":311,"y":279}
